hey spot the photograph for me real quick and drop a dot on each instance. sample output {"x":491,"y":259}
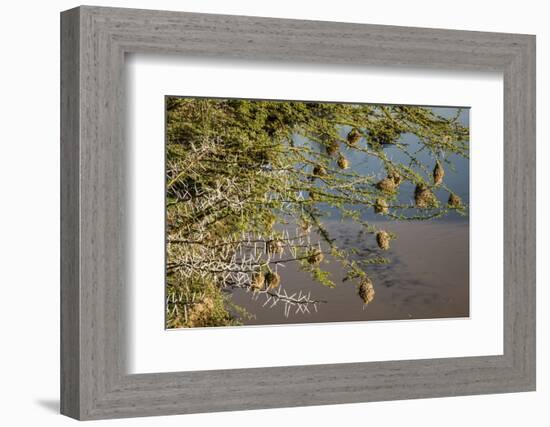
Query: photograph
{"x":288,"y":212}
{"x":325,"y":214}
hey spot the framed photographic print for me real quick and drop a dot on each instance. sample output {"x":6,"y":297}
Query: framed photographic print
{"x":285,"y":213}
{"x":271,"y":198}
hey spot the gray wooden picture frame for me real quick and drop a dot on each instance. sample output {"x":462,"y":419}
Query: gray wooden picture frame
{"x":94,"y":382}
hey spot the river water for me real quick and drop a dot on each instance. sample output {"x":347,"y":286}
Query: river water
{"x":428,"y":277}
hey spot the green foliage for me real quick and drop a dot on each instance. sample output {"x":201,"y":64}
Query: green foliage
{"x":238,"y":172}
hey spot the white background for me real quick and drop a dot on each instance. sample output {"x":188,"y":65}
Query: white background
{"x":29,"y":224}
{"x":152,"y":349}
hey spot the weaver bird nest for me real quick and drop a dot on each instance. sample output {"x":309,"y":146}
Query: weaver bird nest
{"x":381,"y":206}
{"x":275,"y":247}
{"x":383,"y":240}
{"x":353,"y":136}
{"x":454,"y":201}
{"x":272,"y":279}
{"x":319,"y":171}
{"x":366,"y":290}
{"x":315,"y":257}
{"x":395,"y":177}
{"x":438,"y":173}
{"x":387,"y":185}
{"x":342,"y":162}
{"x":257,"y":282}
{"x":424,"y":197}
{"x":332,"y":148}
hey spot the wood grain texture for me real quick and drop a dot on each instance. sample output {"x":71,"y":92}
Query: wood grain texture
{"x":70,"y":297}
{"x":94,"y":272}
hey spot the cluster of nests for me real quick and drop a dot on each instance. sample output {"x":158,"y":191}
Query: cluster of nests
{"x":319,"y":171}
{"x":272,"y":280}
{"x":387,"y":185}
{"x":269,"y":280}
{"x":333,"y":148}
{"x":314,"y":256}
{"x":390,"y":183}
{"x":424,"y":197}
{"x":382,"y":136}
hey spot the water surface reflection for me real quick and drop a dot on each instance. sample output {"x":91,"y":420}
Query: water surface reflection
{"x":428,"y":277}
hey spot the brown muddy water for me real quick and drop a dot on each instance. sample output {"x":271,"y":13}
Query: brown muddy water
{"x":428,"y":277}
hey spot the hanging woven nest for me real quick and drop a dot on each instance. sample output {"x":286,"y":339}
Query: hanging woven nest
{"x":438,"y":173}
{"x":381,"y":206}
{"x":315,"y":257}
{"x":319,"y":171}
{"x":275,"y":247}
{"x":342,"y":162}
{"x":387,"y":185}
{"x":395,"y":177}
{"x":332,"y":148}
{"x":366,"y":290}
{"x":454,"y":201}
{"x":383,"y":240}
{"x":272,"y":279}
{"x":257,"y":282}
{"x":424,"y":197}
{"x":353,"y":136}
